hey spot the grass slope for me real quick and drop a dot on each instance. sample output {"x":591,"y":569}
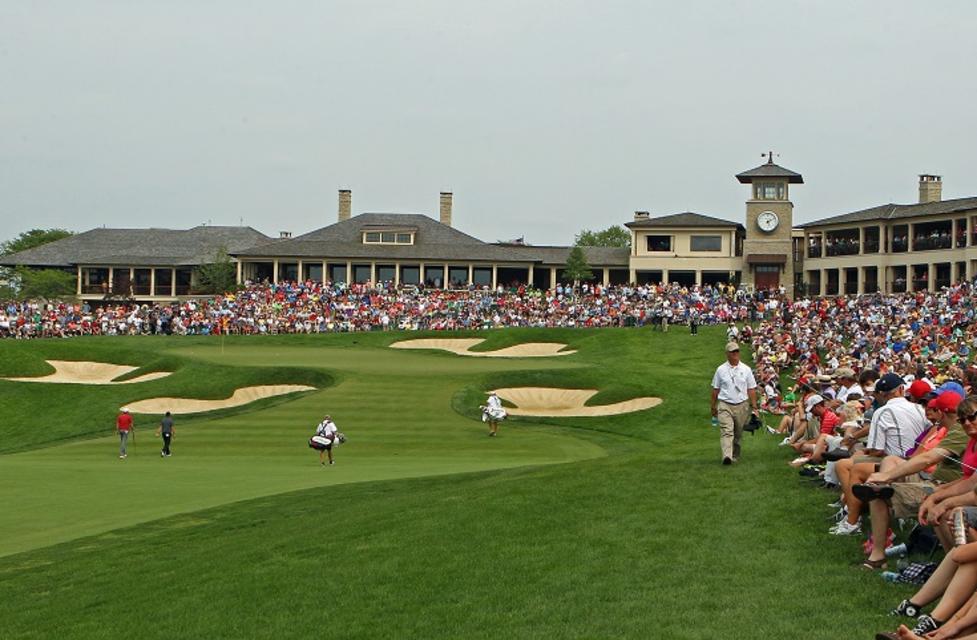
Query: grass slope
{"x":656,"y":540}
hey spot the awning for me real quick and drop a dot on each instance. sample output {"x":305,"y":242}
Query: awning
{"x":766,"y":258}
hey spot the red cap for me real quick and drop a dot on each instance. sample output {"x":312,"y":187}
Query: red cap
{"x":919,"y":388}
{"x":946,"y":402}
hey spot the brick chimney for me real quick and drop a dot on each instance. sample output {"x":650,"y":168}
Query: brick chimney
{"x":641,"y":215}
{"x":930,"y":188}
{"x":446,"y":208}
{"x":345,"y":204}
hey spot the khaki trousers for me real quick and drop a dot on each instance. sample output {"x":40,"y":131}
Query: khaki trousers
{"x":732,"y":419}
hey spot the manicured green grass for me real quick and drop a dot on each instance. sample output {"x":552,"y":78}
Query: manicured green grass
{"x":425,"y":528}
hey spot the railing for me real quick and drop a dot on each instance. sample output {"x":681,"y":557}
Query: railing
{"x":871,"y":246}
{"x":920,"y":284}
{"x":930,"y":243}
{"x":843,"y":249}
{"x":899,"y":245}
{"x":814,"y":251}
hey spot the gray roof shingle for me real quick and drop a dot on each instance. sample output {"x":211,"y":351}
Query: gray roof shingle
{"x":770,"y":170}
{"x":892,"y":211}
{"x":433,"y":241}
{"x":150,"y":247}
{"x":684,"y":219}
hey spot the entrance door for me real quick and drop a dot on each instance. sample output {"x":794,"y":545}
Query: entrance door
{"x":767,"y":276}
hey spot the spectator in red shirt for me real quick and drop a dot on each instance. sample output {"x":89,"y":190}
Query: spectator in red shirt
{"x":123,"y":424}
{"x":818,"y":408}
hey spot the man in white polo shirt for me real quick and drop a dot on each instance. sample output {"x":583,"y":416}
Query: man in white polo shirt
{"x":732,"y":386}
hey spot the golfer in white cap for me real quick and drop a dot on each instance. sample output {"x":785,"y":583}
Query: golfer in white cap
{"x":732,"y":386}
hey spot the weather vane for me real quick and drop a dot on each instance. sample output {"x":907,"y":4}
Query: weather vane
{"x":769,"y":156}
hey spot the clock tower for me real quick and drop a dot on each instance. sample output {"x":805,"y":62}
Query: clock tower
{"x":767,"y":247}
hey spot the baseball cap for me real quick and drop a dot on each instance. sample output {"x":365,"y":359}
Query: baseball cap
{"x":812,"y":402}
{"x":946,"y":402}
{"x":889,"y":382}
{"x":953,"y":386}
{"x":125,"y":409}
{"x":732,"y":346}
{"x":844,"y":372}
{"x":919,"y":388}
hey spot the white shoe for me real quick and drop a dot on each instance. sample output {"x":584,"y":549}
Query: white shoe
{"x":843,"y":528}
{"x":771,"y":430}
{"x":784,"y":442}
{"x":799,"y":462}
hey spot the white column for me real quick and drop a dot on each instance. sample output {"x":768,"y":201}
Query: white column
{"x":861,"y":241}
{"x":632,"y":276}
{"x":824,"y":282}
{"x":931,"y":276}
{"x":552,"y":277}
{"x":274,"y":272}
{"x":324,"y":276}
{"x":842,"y":280}
{"x":152,"y":280}
{"x":665,"y":276}
{"x":444,"y":280}
{"x":349,"y":271}
{"x":373,"y":273}
{"x":240,"y":271}
{"x":78,"y":286}
{"x":529,"y":276}
{"x":495,"y":275}
{"x":420,"y":273}
{"x":173,"y":283}
{"x":301,"y":275}
{"x":471,"y":273}
{"x":396,"y":274}
{"x":698,"y":277}
{"x":912,"y":236}
{"x":607,"y":276}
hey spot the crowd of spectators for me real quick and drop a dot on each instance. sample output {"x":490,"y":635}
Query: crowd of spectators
{"x":882,"y":409}
{"x":314,"y":307}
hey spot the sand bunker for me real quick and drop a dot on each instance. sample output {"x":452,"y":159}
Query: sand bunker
{"x":78,"y":372}
{"x":565,"y":403}
{"x":462,"y":346}
{"x":241,"y":396}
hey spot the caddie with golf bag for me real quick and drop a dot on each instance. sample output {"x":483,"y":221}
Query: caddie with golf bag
{"x":326,"y":436}
{"x":493,"y":413}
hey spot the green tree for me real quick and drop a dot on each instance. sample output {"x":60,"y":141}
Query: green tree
{"x":577,"y":267}
{"x":616,"y":236}
{"x":219,"y":275}
{"x":11,"y":280}
{"x":47,"y":284}
{"x":33,"y":238}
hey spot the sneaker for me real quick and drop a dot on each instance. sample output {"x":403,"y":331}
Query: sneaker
{"x":906,"y":608}
{"x":799,"y":462}
{"x":837,"y":504}
{"x":783,"y":443}
{"x":332,"y":462}
{"x":844,"y":528}
{"x":772,"y":431}
{"x":925,"y":624}
{"x":162,"y":455}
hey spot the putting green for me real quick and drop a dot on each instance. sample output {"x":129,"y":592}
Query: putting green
{"x":395,"y":407}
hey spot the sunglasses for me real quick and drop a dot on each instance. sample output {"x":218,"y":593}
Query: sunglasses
{"x":971,"y":418}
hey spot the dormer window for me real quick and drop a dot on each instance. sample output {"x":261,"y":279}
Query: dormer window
{"x":388,"y":237}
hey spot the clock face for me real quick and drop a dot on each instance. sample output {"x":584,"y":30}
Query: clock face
{"x":767,"y":221}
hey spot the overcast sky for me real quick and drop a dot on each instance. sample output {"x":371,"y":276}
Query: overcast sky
{"x":543,"y":118}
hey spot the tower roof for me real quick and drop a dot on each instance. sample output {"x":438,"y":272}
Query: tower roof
{"x":769,"y":170}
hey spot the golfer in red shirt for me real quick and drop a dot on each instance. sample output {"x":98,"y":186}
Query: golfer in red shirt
{"x":123,"y":424}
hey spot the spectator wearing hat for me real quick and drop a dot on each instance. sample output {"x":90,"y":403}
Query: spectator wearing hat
{"x":817,"y":406}
{"x":733,"y":385}
{"x":908,"y":495}
{"x":123,"y":425}
{"x":893,"y":431}
{"x":847,"y":386}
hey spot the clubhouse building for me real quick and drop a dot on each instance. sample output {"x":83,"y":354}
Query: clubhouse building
{"x":890,"y":248}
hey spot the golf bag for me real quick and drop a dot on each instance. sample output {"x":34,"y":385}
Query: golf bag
{"x":321,"y":443}
{"x":489,"y":413}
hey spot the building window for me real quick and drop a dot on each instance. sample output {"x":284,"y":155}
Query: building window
{"x":387,"y":237}
{"x":659,"y":243}
{"x":769,"y":191}
{"x":706,"y":243}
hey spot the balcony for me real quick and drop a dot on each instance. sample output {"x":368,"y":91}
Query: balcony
{"x":842,"y":248}
{"x":814,"y":251}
